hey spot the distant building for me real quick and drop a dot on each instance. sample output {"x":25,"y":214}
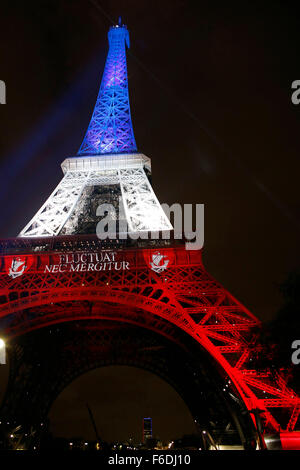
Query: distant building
{"x":147,"y":429}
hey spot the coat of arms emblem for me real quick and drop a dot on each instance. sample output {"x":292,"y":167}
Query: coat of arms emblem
{"x":17,"y":267}
{"x":159,"y":262}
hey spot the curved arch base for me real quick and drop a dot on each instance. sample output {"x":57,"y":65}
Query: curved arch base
{"x":71,"y":280}
{"x":44,"y":362}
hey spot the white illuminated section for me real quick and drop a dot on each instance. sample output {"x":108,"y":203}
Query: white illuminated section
{"x":142,"y":208}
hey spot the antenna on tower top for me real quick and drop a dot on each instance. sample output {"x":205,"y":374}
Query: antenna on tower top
{"x":120,"y":21}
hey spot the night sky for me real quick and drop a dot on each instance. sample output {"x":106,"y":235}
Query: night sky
{"x":210,"y":92}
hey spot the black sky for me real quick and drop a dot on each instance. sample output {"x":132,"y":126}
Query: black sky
{"x":210,"y":91}
{"x":120,"y":398}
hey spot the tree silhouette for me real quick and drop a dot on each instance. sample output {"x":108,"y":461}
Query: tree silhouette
{"x":276,"y":337}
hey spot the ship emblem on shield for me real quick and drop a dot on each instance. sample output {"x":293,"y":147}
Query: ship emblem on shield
{"x":159,"y":262}
{"x":17,"y":267}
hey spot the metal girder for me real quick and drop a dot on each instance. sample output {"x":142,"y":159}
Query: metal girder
{"x":142,"y":209}
{"x":53,"y":214}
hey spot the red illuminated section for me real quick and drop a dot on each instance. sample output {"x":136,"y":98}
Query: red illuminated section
{"x":169,"y":282}
{"x":158,"y":260}
{"x":290,"y":440}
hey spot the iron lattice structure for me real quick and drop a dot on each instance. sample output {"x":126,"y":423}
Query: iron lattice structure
{"x":129,"y":172}
{"x":110,"y":129}
{"x":51,"y":275}
{"x":184,"y":295}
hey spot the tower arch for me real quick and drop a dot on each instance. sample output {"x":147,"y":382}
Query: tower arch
{"x":62,"y":352}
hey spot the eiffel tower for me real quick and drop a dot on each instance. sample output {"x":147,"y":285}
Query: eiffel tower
{"x":71,"y":301}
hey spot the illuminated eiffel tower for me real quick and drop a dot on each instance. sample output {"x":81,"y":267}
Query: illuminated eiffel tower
{"x":71,"y":302}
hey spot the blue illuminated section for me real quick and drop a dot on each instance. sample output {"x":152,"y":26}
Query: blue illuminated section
{"x":110,"y":129}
